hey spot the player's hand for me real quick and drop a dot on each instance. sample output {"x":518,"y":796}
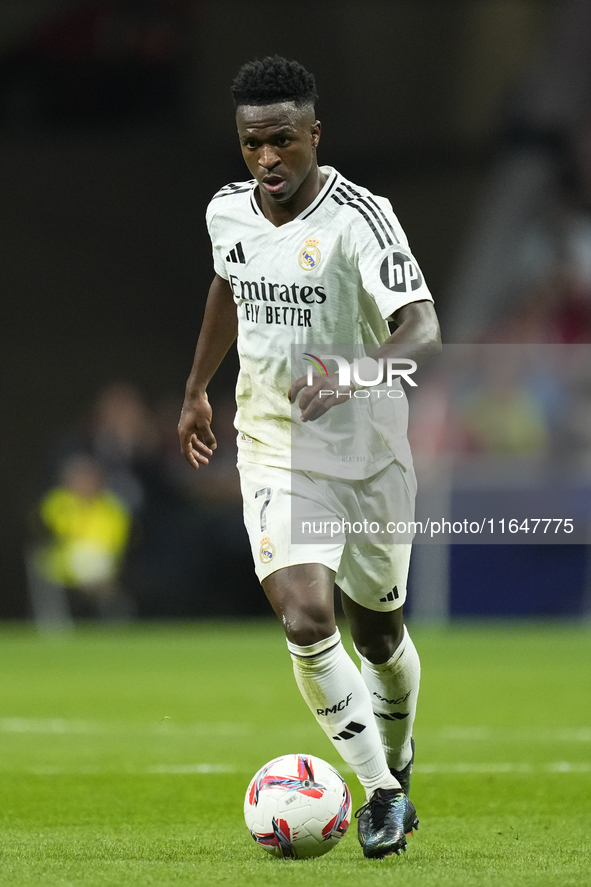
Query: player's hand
{"x":196,"y":437}
{"x":314,"y":400}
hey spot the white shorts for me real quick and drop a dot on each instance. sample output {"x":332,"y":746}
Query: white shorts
{"x":373,"y":575}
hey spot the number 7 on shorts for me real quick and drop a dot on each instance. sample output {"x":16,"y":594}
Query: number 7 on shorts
{"x":267,"y":492}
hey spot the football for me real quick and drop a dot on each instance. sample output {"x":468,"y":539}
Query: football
{"x":297,"y":806}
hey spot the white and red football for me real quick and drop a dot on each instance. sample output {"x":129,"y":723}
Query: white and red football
{"x":297,"y":806}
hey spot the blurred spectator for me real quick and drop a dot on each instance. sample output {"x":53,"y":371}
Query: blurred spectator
{"x":222,"y":579}
{"x":502,"y":416}
{"x":82,"y":531}
{"x":122,"y":435}
{"x":189,"y":543}
{"x":553,"y":293}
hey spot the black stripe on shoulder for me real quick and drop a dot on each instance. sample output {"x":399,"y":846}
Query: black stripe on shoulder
{"x":223,"y":193}
{"x":377,"y":213}
{"x":385,"y":217}
{"x":352,"y":203}
{"x":329,"y":189}
{"x":238,"y":186}
{"x":379,"y":219}
{"x":372,"y":200}
{"x":369,"y":221}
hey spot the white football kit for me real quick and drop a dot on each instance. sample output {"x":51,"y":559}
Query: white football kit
{"x":334,"y":274}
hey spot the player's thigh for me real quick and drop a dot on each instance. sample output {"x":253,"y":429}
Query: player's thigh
{"x":268,"y":493}
{"x":375,"y":576}
{"x":374,"y":573}
{"x":297,"y":578}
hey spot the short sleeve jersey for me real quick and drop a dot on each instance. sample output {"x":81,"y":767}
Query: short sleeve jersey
{"x":334,"y":274}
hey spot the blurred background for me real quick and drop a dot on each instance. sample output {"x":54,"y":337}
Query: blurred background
{"x":116,"y":126}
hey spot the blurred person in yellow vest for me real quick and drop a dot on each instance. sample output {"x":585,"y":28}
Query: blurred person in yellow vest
{"x":85,"y":531}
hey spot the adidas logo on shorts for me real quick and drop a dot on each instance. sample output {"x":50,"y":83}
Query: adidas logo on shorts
{"x":391,"y":596}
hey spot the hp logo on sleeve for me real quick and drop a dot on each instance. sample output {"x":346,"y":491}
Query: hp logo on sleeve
{"x":400,"y":273}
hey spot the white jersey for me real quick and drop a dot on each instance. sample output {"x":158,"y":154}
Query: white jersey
{"x":334,"y":274}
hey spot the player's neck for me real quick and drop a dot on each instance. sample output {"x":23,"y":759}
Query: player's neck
{"x":281,"y":213}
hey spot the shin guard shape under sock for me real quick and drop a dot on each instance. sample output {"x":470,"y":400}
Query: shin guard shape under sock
{"x":394,"y":688}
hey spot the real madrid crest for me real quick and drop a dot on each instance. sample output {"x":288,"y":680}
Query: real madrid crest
{"x":267,"y":550}
{"x":309,"y":257}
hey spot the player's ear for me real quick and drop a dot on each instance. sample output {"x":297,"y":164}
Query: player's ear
{"x":315,"y":133}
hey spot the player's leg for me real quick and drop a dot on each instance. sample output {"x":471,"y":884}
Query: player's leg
{"x":391,"y":669}
{"x":373,"y":579}
{"x":302,"y":597}
{"x":391,"y":674}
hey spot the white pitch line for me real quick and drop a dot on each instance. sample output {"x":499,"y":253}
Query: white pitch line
{"x":182,"y":769}
{"x":513,"y":734}
{"x":474,"y":768}
{"x":158,"y":769}
{"x":492,"y":768}
{"x":46,"y":725}
{"x":216,"y":769}
{"x":555,"y":767}
{"x":165,"y":727}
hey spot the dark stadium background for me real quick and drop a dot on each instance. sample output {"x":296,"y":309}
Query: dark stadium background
{"x":116,"y":126}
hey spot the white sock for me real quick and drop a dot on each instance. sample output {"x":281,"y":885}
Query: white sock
{"x":338,"y":698}
{"x":394,"y":688}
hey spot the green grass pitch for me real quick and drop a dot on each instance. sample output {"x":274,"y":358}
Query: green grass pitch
{"x":125,"y":755}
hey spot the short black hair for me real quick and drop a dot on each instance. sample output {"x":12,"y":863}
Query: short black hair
{"x":272,"y":80}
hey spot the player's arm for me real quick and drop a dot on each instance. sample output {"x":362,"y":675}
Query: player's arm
{"x":417,"y":337}
{"x":218,"y":331}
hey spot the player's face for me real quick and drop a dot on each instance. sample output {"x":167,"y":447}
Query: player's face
{"x":279,"y":146}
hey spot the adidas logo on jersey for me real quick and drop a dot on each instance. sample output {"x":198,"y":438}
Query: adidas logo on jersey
{"x":236,"y":255}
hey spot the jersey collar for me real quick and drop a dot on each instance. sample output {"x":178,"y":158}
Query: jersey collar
{"x":328,"y":187}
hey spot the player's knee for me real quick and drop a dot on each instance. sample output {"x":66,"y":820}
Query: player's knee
{"x":306,"y":628}
{"x":379,"y":648}
{"x":376,"y":635}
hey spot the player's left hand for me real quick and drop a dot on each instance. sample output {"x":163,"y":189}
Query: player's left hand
{"x":316,"y":400}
